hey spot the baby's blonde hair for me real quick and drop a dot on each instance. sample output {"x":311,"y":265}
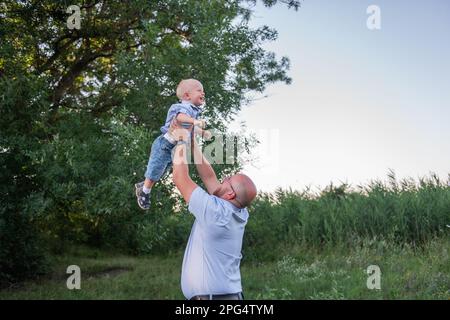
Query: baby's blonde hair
{"x":186,"y":85}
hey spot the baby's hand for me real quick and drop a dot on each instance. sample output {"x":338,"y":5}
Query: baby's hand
{"x":200,"y":123}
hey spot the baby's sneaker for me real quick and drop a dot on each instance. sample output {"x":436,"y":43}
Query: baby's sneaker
{"x":143,"y":199}
{"x":138,"y":186}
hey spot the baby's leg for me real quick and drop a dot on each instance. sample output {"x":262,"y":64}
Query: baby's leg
{"x":148,"y":183}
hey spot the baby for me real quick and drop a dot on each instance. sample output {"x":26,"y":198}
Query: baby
{"x":192,"y":97}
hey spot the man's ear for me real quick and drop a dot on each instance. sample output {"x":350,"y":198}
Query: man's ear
{"x":230,"y":195}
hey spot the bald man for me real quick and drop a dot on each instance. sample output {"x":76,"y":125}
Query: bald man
{"x":211,"y":264}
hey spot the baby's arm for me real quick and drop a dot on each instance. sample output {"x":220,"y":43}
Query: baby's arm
{"x":181,"y":117}
{"x":206,"y":134}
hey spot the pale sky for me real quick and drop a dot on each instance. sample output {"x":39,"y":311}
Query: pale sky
{"x":362,"y":101}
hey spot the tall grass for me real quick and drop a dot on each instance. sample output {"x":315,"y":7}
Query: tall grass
{"x":304,"y":245}
{"x":405,"y":211}
{"x":296,"y":272}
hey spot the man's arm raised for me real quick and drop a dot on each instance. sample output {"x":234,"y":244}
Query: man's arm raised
{"x":181,"y":176}
{"x":204,"y":168}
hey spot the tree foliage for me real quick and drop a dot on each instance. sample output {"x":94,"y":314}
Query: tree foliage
{"x":79,"y":109}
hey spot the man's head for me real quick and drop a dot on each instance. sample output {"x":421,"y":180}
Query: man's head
{"x":191,"y":90}
{"x":238,"y":189}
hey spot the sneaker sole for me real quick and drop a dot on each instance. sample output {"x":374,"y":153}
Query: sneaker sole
{"x":142,"y":207}
{"x":138,"y":189}
{"x":138,"y":185}
{"x":137,"y":200}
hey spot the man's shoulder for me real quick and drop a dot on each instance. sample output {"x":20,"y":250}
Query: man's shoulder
{"x":208,"y":208}
{"x":202,"y":199}
{"x":199,"y":194}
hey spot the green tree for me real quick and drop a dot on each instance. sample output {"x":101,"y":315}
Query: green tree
{"x":80,"y":107}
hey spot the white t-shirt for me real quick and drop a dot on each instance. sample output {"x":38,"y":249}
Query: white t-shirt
{"x":213,"y":253}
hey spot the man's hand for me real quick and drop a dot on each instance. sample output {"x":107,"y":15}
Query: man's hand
{"x":180,"y":134}
{"x":180,"y":175}
{"x":200,"y":123}
{"x":204,"y":169}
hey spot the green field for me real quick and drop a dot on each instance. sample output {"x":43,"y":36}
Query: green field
{"x":297,"y":273}
{"x":297,"y":245}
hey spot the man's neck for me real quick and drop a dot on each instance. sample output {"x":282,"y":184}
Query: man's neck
{"x":234,"y":203}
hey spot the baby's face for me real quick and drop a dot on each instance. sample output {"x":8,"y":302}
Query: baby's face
{"x":196,"y":95}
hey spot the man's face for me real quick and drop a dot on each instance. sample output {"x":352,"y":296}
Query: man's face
{"x":196,"y":95}
{"x":237,"y":188}
{"x":225,"y":190}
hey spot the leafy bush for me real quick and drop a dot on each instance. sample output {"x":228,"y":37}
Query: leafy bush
{"x":21,"y":252}
{"x":406,"y":212}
